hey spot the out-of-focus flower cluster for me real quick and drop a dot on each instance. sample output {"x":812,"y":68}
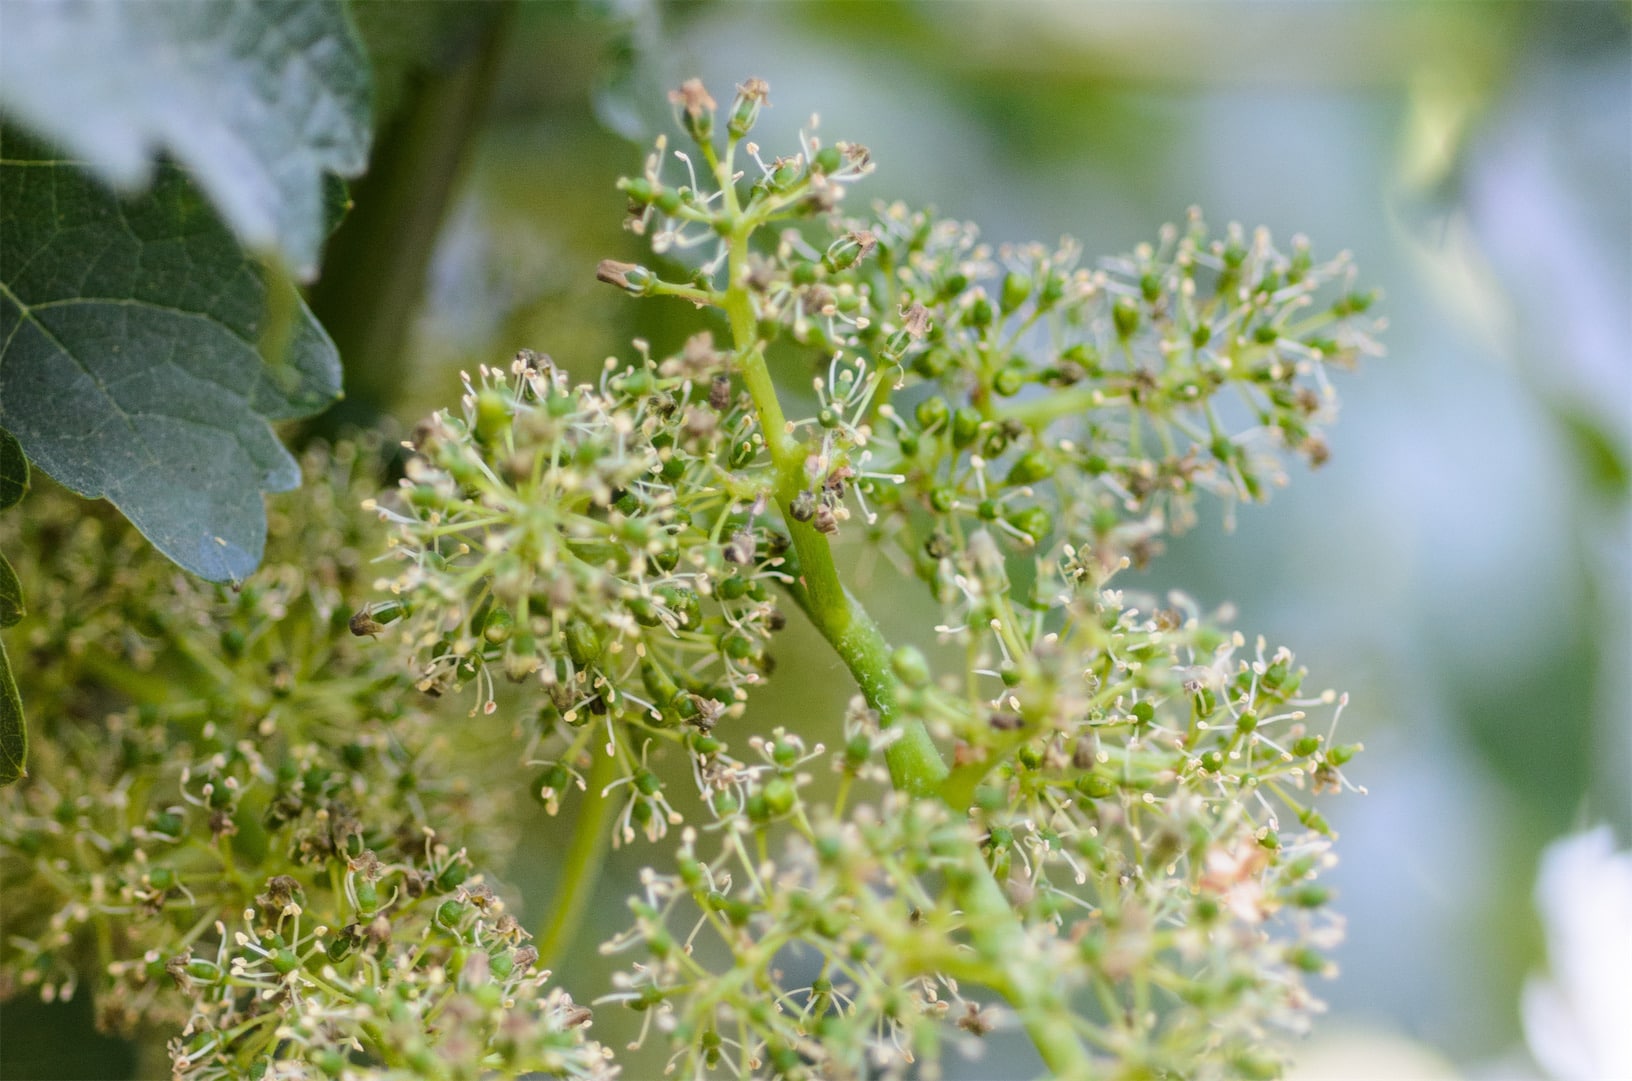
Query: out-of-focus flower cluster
{"x":241,"y":826}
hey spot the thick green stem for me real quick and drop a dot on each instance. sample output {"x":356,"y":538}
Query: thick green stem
{"x":582,"y":866}
{"x":1000,"y":939}
{"x":915,"y":763}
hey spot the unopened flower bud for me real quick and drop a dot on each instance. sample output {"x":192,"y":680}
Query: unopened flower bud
{"x":849,"y":250}
{"x":697,"y":107}
{"x":751,"y":95}
{"x":1016,"y":288}
{"x":632,"y":277}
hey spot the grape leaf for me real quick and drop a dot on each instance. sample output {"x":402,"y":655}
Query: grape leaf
{"x":13,"y":471}
{"x":258,"y":99}
{"x":129,"y":357}
{"x":13,"y":734}
{"x":11,"y":594}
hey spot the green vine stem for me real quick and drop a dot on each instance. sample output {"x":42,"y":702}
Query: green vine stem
{"x":915,"y":763}
{"x":582,"y":867}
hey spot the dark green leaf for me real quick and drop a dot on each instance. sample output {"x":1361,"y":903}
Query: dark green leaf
{"x":13,"y":470}
{"x":257,"y":98}
{"x":13,"y":733}
{"x":11,"y":594}
{"x":129,"y":358}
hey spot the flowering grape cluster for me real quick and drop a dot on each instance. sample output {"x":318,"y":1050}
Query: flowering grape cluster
{"x":1127,"y":389}
{"x":604,"y":543}
{"x":243,"y":829}
{"x":1149,"y":830}
{"x":1093,"y":820}
{"x":1122,"y":855}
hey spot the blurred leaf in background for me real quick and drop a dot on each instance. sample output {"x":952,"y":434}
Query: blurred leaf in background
{"x":257,"y":101}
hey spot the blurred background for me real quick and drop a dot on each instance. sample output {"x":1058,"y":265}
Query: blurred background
{"x":1461,"y":567}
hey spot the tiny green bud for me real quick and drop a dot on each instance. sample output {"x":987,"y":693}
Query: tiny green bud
{"x":1342,"y":753}
{"x":979,"y":312}
{"x":780,"y":795}
{"x":910,"y":666}
{"x":203,"y":971}
{"x":492,"y":416}
{"x":449,"y":914}
{"x":745,"y":107}
{"x":1035,"y":522}
{"x":1125,"y":315}
{"x":584,"y":644}
{"x":1308,"y":960}
{"x":1009,"y":381}
{"x":497,"y":626}
{"x":630,"y":277}
{"x":1253,"y":1065}
{"x":931,"y":413}
{"x":931,"y":363}
{"x":783,"y":175}
{"x":849,"y":250}
{"x":1030,"y":468}
{"x":1312,"y":819}
{"x":1016,"y":288}
{"x":697,"y":109}
{"x":965,"y":426}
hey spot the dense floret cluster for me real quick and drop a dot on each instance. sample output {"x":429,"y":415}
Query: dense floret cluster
{"x":244,"y":828}
{"x":1067,"y":808}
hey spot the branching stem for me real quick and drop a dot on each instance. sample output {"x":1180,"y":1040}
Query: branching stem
{"x":915,"y":763}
